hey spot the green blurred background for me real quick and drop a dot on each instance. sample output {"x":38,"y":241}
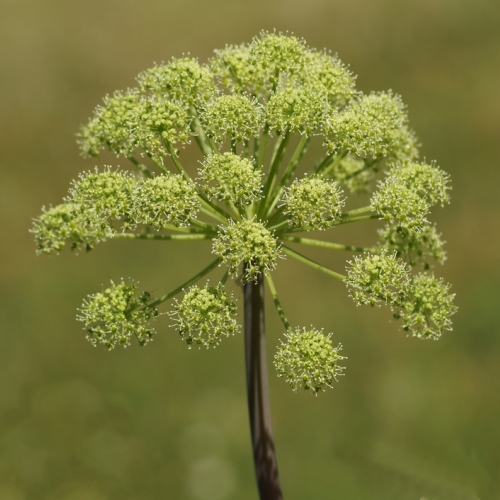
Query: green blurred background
{"x":410,"y":420}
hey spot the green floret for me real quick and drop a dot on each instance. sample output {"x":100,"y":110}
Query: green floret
{"x":165,"y":200}
{"x":232,"y":67}
{"x":160,"y":122}
{"x":377,"y":279}
{"x":313,"y":203}
{"x":183,"y":80}
{"x":113,"y":126}
{"x":400,"y":205}
{"x":415,"y":247}
{"x":231,"y":116}
{"x":205,"y":315}
{"x":369,"y":127}
{"x":228,"y":177}
{"x":327,"y":74}
{"x":247,"y":241}
{"x":408,"y":193}
{"x":426,"y":311}
{"x":274,"y":56}
{"x":111,"y":317}
{"x":428,"y":181}
{"x":70,"y":223}
{"x":109,"y":193}
{"x":302,"y":110}
{"x":308,"y":360}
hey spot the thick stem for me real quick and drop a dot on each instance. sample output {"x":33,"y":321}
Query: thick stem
{"x":266,"y":465}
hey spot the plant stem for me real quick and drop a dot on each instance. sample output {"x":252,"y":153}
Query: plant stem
{"x":189,"y":282}
{"x":312,"y":263}
{"x":326,"y":244}
{"x":289,"y":170}
{"x":277,"y":303}
{"x":266,"y":465}
{"x":173,"y":237}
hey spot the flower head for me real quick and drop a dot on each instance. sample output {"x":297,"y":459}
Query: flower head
{"x":113,"y":126}
{"x":427,"y":309}
{"x":182,"y":80}
{"x":165,"y":200}
{"x":408,"y":193}
{"x":235,"y":117}
{"x":205,"y":315}
{"x":109,"y":193}
{"x":76,"y":224}
{"x":161,"y":121}
{"x":327,"y":74}
{"x":250,"y":242}
{"x":111,"y":317}
{"x":228,"y":177}
{"x":377,"y":279}
{"x":369,"y":126}
{"x":313,"y":203}
{"x":308,"y":360}
{"x":302,"y":110}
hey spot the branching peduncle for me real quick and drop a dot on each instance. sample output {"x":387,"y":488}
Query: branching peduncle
{"x":326,"y":244}
{"x":277,"y":303}
{"x":312,"y":263}
{"x":180,"y":288}
{"x":287,"y":174}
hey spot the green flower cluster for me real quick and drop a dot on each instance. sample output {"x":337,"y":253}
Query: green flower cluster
{"x":301,"y":110}
{"x":72,"y":223}
{"x":204,"y":315}
{"x":313,"y":203}
{"x":408,"y":193}
{"x":182,"y":80}
{"x":236,"y":117}
{"x":109,"y":193}
{"x":308,"y":360}
{"x":228,"y":177}
{"x":247,"y":242}
{"x":369,"y":126}
{"x":422,"y":301}
{"x":111,"y":317}
{"x":253,"y":110}
{"x":165,"y":200}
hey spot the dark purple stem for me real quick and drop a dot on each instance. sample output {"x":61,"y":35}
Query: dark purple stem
{"x":264,"y":455}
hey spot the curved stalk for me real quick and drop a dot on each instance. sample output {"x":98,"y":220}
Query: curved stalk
{"x":266,"y":465}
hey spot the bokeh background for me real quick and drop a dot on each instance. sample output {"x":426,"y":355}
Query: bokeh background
{"x":410,"y":420}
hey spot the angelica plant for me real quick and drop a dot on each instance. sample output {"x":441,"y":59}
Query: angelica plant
{"x":253,"y":110}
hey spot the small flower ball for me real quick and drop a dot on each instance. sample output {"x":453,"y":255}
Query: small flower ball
{"x":233,"y":117}
{"x":81,"y":227}
{"x":164,"y":200}
{"x":112,"y":316}
{"x":250,"y":242}
{"x":297,"y":110}
{"x":313,"y":203}
{"x":205,"y":315}
{"x":308,"y":360}
{"x":183,"y":80}
{"x":108,"y":192}
{"x":228,"y":177}
{"x":377,"y":279}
